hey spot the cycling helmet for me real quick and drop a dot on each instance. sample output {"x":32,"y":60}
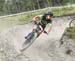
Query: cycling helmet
{"x":50,"y":13}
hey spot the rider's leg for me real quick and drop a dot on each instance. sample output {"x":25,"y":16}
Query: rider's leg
{"x":39,"y":33}
{"x":35,"y":26}
{"x":27,"y":36}
{"x":42,"y":29}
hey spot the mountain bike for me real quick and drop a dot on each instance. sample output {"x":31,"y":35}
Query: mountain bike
{"x":31,"y":37}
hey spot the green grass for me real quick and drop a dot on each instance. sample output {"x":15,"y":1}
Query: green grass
{"x":24,"y":18}
{"x":70,"y":32}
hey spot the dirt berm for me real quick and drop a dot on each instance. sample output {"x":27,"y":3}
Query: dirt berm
{"x":44,"y":48}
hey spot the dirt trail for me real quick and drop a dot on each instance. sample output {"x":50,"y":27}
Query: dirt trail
{"x":45,"y":48}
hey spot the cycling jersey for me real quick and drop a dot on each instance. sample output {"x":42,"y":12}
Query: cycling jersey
{"x":43,"y":23}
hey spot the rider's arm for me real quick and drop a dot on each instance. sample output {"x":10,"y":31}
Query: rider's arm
{"x":49,"y":27}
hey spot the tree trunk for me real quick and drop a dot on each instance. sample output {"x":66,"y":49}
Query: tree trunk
{"x":48,"y":3}
{"x":38,"y":4}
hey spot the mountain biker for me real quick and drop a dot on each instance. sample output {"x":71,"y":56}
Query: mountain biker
{"x":45,"y":19}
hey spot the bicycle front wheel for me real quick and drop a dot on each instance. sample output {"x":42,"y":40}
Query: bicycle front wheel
{"x":72,"y":23}
{"x":29,"y":42}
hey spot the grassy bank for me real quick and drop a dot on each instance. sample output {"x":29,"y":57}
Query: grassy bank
{"x":70,"y":32}
{"x":22,"y":19}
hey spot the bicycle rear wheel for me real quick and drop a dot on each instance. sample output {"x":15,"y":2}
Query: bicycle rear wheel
{"x":29,"y":41}
{"x":72,"y":23}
